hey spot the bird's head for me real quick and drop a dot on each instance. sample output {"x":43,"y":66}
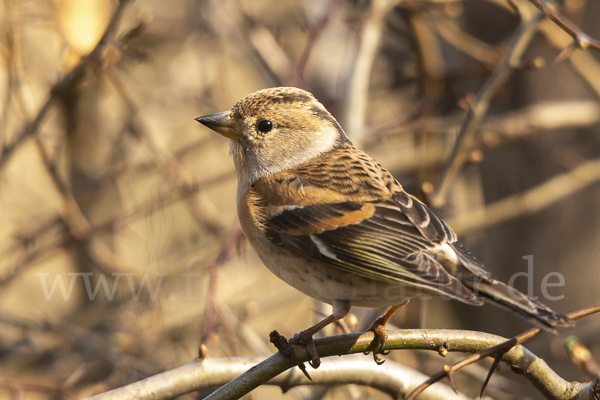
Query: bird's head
{"x":275,"y":129}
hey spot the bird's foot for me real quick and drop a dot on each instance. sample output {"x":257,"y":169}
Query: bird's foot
{"x":381,"y":336}
{"x":305,"y":338}
{"x":286,"y":349}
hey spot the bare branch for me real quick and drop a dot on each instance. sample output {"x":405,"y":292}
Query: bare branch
{"x":581,"y":356}
{"x":583,"y":63}
{"x":479,"y":107}
{"x":358,"y":83}
{"x":530,"y":201}
{"x":468,"y":44}
{"x":393,"y":379}
{"x":313,"y":35}
{"x":580,"y":39}
{"x":64,"y":85}
{"x":553,"y":390}
{"x":210,"y":373}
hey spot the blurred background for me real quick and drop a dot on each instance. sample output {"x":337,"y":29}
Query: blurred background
{"x":119,"y":248}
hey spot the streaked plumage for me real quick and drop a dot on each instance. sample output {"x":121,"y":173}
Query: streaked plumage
{"x":329,"y":220}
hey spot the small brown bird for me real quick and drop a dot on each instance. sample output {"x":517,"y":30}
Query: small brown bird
{"x":332,"y":222}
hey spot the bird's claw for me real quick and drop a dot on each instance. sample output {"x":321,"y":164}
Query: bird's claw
{"x":381,"y":336}
{"x":378,"y":358}
{"x":287,"y":350}
{"x":306,"y":338}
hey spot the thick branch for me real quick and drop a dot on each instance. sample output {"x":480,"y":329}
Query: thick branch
{"x":393,"y":379}
{"x":210,"y":373}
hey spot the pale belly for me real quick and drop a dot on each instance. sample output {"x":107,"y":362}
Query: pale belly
{"x":327,"y":283}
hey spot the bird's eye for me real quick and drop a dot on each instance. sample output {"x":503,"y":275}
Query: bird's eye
{"x":265,"y":126}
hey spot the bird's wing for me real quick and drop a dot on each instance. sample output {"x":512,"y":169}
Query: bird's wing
{"x":353,"y":215}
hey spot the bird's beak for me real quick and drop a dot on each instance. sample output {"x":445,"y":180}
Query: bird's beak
{"x":222,"y":123}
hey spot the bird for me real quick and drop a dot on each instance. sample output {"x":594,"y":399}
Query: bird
{"x":330,"y":221}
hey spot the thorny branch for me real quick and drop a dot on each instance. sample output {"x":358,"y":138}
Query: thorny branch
{"x":580,"y":39}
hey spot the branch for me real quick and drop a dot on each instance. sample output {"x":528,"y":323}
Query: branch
{"x":314,"y":34}
{"x":394,"y":379}
{"x":551,"y":389}
{"x":502,"y":128}
{"x":583,"y":63}
{"x":203,"y":210}
{"x":358,"y":83}
{"x":580,"y":39}
{"x":487,"y":54}
{"x":209,"y":373}
{"x":479,"y":107}
{"x":64,"y":85}
{"x":531,"y":201}
{"x":66,"y":240}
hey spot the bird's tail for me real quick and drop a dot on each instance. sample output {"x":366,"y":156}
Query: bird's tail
{"x":516,"y":302}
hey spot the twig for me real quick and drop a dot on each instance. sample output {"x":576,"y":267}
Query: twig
{"x":65,"y":240}
{"x":64,"y":85}
{"x":78,"y":225}
{"x":580,"y":39}
{"x":583,"y":63}
{"x":531,"y":201}
{"x":466,"y":43}
{"x":502,"y":128}
{"x":358,"y":83}
{"x":195,"y":376}
{"x":479,"y":107}
{"x":201,"y":207}
{"x":233,"y":237}
{"x":581,"y":356}
{"x":501,"y":349}
{"x":18,"y":387}
{"x":313,"y":35}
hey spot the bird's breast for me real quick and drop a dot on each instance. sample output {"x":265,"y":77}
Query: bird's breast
{"x":314,"y":278}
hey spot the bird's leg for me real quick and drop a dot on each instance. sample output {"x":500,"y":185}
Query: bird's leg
{"x":378,"y":327}
{"x":341,"y":308}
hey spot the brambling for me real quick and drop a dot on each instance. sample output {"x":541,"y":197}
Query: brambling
{"x":330,"y":221}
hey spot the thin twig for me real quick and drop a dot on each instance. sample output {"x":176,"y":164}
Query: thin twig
{"x":315,"y":32}
{"x":65,"y":84}
{"x":581,"y":356}
{"x":113,"y":224}
{"x":229,"y":243}
{"x":18,"y":387}
{"x":488,"y":55}
{"x":502,"y":349}
{"x":580,"y":39}
{"x":583,"y":63}
{"x":358,"y":83}
{"x":200,"y":206}
{"x":479,"y":107}
{"x":531,"y":201}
